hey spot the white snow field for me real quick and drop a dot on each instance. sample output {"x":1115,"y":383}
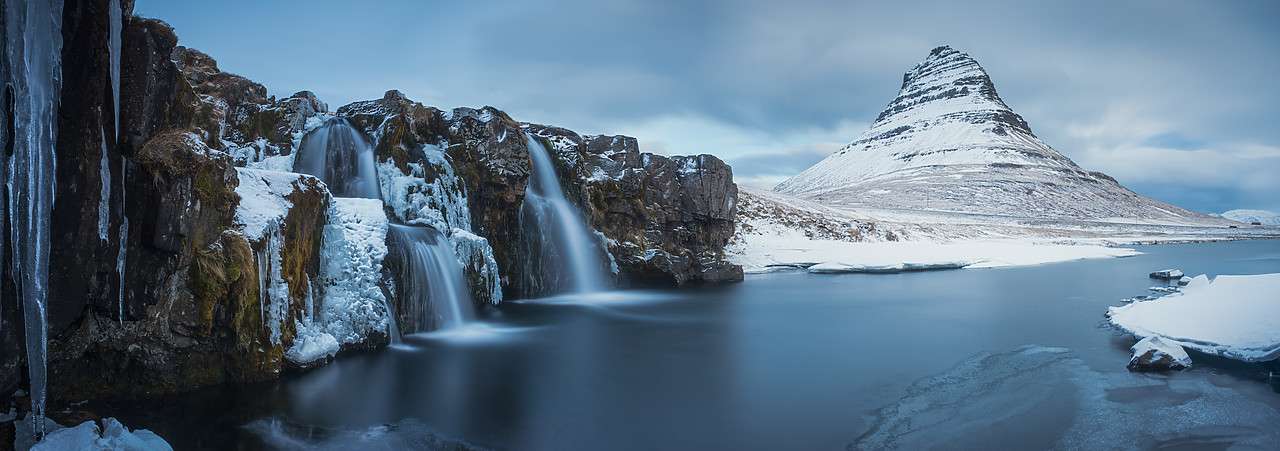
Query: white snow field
{"x":777,"y":230}
{"x":1233,"y":316}
{"x":1263,"y":217}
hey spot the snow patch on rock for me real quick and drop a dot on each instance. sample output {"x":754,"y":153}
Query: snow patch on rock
{"x":262,"y":199}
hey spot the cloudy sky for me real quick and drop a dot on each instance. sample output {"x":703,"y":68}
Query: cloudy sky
{"x":1177,"y":100}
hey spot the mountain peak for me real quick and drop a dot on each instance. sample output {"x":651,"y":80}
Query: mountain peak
{"x":950,"y":79}
{"x":948,"y":142}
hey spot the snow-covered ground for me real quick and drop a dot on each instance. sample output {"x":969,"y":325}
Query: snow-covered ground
{"x":779,"y":230}
{"x":1232,"y":316}
{"x":1263,"y":217}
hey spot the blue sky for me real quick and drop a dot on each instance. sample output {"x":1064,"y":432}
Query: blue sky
{"x":1176,"y":100}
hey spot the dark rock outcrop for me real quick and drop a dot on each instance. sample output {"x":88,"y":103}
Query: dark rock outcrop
{"x":667,"y":220}
{"x":1157,"y":354}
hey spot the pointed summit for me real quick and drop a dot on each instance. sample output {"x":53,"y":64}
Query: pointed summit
{"x":950,"y":80}
{"x":948,"y":142}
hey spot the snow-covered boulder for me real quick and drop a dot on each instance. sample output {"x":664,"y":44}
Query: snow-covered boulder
{"x":1236,"y":317}
{"x":1157,"y":354}
{"x":1166,"y":274}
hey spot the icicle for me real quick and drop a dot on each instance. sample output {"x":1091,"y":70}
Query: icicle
{"x":123,"y":253}
{"x":34,"y":42}
{"x":117,"y":22}
{"x":104,"y":202}
{"x":273,"y":290}
{"x":311,"y":303}
{"x":262,"y":287}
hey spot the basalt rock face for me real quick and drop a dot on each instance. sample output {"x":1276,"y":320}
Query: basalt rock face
{"x":189,"y":312}
{"x":666,"y":220}
{"x":235,"y":113}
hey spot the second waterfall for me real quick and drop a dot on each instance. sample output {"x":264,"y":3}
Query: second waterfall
{"x":563,"y":257}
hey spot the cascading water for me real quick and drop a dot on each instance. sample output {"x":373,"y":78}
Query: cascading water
{"x":34,"y":80}
{"x":431,"y":288}
{"x":338,"y":154}
{"x":556,"y":233}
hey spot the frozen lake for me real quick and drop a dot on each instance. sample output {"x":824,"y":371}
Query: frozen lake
{"x":977,"y":358}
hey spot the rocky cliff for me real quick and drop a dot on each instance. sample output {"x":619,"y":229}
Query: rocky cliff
{"x":185,"y":252}
{"x":153,"y":285}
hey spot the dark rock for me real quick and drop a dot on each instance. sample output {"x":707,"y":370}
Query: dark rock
{"x":154,"y":97}
{"x":191,"y":305}
{"x":1166,"y":274}
{"x":1157,"y":354}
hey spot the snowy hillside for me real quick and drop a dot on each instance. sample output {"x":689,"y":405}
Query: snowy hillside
{"x":777,"y":230}
{"x":949,"y":143}
{"x":1264,"y":217}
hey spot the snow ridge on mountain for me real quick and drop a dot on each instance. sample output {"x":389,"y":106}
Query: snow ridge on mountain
{"x":947,"y":142}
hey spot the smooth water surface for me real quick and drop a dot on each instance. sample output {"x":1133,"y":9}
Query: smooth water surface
{"x":786,"y":360}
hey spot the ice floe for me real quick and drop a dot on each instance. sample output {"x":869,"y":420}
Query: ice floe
{"x":1233,"y":316}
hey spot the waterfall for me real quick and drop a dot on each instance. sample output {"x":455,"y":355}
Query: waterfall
{"x":432,"y":288}
{"x":338,"y":154}
{"x":33,"y":53}
{"x":556,"y":232}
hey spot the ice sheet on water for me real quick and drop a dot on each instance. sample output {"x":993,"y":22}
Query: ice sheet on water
{"x":286,"y":433}
{"x":1233,"y":316}
{"x":112,"y":436}
{"x":1038,"y":397}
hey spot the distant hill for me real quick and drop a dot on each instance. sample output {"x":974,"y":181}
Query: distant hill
{"x":1269,"y":218}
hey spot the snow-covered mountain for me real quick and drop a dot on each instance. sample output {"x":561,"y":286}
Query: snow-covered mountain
{"x":1264,"y":217}
{"x":948,"y":143}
